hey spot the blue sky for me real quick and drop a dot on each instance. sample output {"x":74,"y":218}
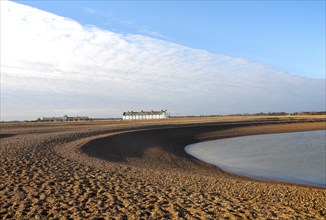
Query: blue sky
{"x":101,"y":59}
{"x":287,"y":35}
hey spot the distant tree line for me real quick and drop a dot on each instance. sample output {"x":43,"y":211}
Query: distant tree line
{"x":309,"y":113}
{"x":257,"y":114}
{"x":280,"y":113}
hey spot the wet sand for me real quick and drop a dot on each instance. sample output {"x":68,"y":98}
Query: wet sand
{"x":139,"y":170}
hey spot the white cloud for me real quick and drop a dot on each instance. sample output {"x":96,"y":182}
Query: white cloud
{"x":111,"y":19}
{"x":89,"y":10}
{"x":50,"y":62}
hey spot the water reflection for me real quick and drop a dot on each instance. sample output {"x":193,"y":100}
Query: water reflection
{"x":298,"y":157}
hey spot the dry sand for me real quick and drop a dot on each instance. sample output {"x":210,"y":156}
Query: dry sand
{"x":139,"y":170}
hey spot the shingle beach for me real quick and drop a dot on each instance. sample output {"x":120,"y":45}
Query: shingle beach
{"x":139,"y":170}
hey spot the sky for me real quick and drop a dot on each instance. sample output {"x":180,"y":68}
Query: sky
{"x":289,"y":35}
{"x":101,"y":59}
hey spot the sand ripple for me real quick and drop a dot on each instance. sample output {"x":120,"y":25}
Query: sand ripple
{"x":99,"y":171}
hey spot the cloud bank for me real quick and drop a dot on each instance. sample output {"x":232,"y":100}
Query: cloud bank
{"x":51,"y":65}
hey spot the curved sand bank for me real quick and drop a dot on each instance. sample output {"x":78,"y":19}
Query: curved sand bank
{"x":163,"y":148}
{"x":123,"y":172}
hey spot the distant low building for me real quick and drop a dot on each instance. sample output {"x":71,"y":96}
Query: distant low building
{"x":65,"y":118}
{"x":131,"y":115}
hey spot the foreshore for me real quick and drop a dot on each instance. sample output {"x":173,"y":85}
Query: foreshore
{"x":139,"y":170}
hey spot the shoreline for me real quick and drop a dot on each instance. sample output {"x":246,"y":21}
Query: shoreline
{"x":214,"y":152}
{"x":133,"y":170}
{"x":149,"y":149}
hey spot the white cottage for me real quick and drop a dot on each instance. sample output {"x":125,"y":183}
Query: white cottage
{"x":131,"y":115}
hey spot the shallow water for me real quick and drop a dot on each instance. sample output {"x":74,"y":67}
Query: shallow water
{"x":298,"y":157}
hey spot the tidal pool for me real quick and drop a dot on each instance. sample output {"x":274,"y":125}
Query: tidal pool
{"x":298,"y":157}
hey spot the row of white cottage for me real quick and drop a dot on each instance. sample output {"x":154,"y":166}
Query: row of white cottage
{"x":130,"y":115}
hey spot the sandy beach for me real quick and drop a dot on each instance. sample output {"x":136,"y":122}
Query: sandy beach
{"x":139,"y":170}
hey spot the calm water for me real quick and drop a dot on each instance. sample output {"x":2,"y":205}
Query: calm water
{"x":298,"y":157}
